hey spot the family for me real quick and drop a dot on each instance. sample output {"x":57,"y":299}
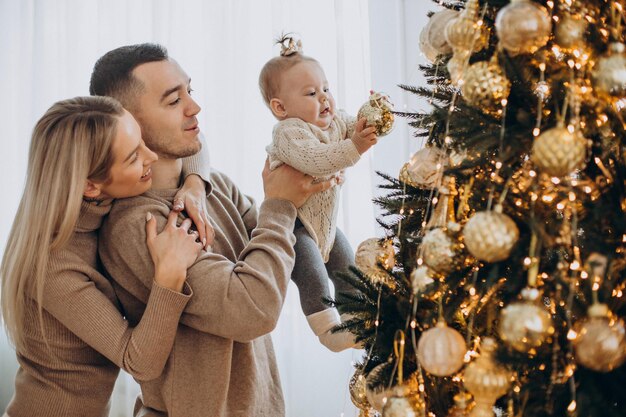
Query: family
{"x":128,"y":251}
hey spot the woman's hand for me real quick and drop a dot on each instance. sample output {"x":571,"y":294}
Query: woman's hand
{"x":192,"y":198}
{"x":172,"y":251}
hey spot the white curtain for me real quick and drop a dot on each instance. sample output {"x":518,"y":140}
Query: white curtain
{"x":48,"y":49}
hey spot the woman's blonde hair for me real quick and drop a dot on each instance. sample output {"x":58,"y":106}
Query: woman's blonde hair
{"x":70,"y":144}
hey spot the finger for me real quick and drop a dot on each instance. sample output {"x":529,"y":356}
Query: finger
{"x":151,"y":231}
{"x":185,"y":225}
{"x":266,"y":167}
{"x":368,"y":130}
{"x":323,"y":185}
{"x":179,"y":204}
{"x":210,"y":235}
{"x":360,"y":125}
{"x":200,"y":226}
{"x":171,"y":219}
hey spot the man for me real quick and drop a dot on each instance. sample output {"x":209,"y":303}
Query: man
{"x":222,"y":363}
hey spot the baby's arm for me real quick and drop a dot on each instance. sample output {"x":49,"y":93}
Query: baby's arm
{"x":296,"y":145}
{"x":363,"y":137}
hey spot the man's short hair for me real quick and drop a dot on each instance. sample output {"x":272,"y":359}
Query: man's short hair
{"x":113,"y":73}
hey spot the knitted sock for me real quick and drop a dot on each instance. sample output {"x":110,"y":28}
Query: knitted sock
{"x":322,"y":322}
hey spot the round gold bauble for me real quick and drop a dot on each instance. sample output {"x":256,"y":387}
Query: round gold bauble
{"x":433,"y":36}
{"x":425,"y":168}
{"x":486,"y":380}
{"x":525,"y":325}
{"x":402,"y":404}
{"x":463,"y":33}
{"x":371,"y":254}
{"x":523,"y":27}
{"x":377,"y":396}
{"x":601,"y":341}
{"x":441,"y":350}
{"x":378,"y":111}
{"x":570,"y":32}
{"x":456,"y":66}
{"x":485,"y":86}
{"x":421,"y":278}
{"x":559,"y":152}
{"x":490,"y":235}
{"x":609,"y":73}
{"x":357,"y":391}
{"x":438,"y":251}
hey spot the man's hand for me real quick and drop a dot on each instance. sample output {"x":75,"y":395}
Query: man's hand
{"x":364,"y":137}
{"x":192,"y":198}
{"x":287,"y":183}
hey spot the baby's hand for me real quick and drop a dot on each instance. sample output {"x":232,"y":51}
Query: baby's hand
{"x":364,"y":137}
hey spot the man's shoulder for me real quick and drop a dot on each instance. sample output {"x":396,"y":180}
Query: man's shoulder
{"x":128,"y":212}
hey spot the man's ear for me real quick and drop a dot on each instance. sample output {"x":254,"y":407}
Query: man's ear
{"x":92,"y":189}
{"x":278,"y":108}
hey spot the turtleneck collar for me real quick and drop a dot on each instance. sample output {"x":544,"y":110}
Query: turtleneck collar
{"x":91,"y":216}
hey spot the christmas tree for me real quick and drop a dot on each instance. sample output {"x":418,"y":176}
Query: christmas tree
{"x":499,"y":286}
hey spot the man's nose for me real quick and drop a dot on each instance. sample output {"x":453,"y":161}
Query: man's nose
{"x":193,"y":108}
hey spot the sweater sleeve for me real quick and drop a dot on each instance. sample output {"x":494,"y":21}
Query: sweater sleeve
{"x":198,"y":164}
{"x":295,"y":144}
{"x":238,"y":300}
{"x":73,"y":299}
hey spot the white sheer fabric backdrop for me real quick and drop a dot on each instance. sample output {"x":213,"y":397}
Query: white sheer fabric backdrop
{"x":48,"y":50}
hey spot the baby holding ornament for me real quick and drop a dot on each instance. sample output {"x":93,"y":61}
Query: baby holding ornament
{"x":319,"y":140}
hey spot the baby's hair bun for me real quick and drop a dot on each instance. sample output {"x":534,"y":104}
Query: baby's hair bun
{"x":289,"y":45}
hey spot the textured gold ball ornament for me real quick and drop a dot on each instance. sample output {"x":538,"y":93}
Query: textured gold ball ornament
{"x":601,"y":341}
{"x":464,"y":34}
{"x":441,"y":350}
{"x":559,"y":152}
{"x":433,"y":36}
{"x":486,"y":380}
{"x":378,"y":112}
{"x":439,"y":251}
{"x":523,"y":27}
{"x":425,"y":168}
{"x":370,"y":253}
{"x":421,"y":278}
{"x":485,"y":86}
{"x":402,"y":404}
{"x":570,"y":32}
{"x":357,"y":391}
{"x":609,"y":73}
{"x":490,"y":235}
{"x":525,"y":325}
{"x":377,"y":396}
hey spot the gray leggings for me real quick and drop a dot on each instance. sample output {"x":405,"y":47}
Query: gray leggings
{"x":311,"y":275}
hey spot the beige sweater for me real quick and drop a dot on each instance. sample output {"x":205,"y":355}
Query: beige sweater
{"x":223,"y":362}
{"x":88,"y":337}
{"x":319,"y":153}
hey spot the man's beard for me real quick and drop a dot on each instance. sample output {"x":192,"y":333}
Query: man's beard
{"x":167,"y":148}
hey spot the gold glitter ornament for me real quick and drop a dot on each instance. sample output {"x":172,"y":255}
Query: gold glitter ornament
{"x":485,"y":86}
{"x":370,"y":253}
{"x":439,"y":251}
{"x":425,"y":168}
{"x":462,"y":405}
{"x":490,"y":235}
{"x":601,"y":341}
{"x":455,"y":66}
{"x":441,"y":350}
{"x":570,"y":32}
{"x":378,"y":112}
{"x":609,"y":75}
{"x":523,"y":27}
{"x":464,"y":33}
{"x":357,"y":393}
{"x":525,"y":325}
{"x":421,"y":278}
{"x":486,"y":380}
{"x":559,"y":152}
{"x":433,"y":38}
{"x":402,"y":404}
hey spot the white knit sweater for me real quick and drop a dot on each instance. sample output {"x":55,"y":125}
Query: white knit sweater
{"x":319,"y":153}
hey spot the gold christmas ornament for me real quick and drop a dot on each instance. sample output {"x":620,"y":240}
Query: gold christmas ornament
{"x":441,"y":350}
{"x":377,"y":396}
{"x":370,"y":253}
{"x":433,"y":36}
{"x":455,"y":66}
{"x":485,"y":86}
{"x":570,"y":32}
{"x":403,"y":404}
{"x":421,"y":278}
{"x":443,"y":213}
{"x":523,"y":27}
{"x":464,"y":33}
{"x":425,"y":168}
{"x":609,"y":75}
{"x":486,"y":380}
{"x":559,"y":152}
{"x":601,"y":341}
{"x":525,"y":325}
{"x":462,"y":405}
{"x":439,"y":251}
{"x":357,"y":392}
{"x":378,"y":112}
{"x":490,"y":235}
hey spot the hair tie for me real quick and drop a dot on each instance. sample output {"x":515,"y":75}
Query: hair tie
{"x":289,"y":45}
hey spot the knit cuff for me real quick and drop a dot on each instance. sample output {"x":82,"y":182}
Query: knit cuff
{"x":171,"y":301}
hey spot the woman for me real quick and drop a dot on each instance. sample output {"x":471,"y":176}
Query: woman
{"x":60,"y":311}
